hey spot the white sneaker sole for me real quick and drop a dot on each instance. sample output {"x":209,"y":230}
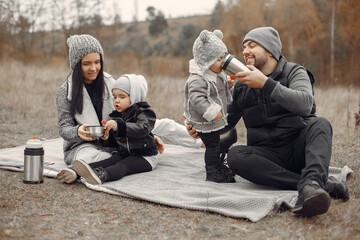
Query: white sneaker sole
{"x":85,"y":171}
{"x":67,"y":176}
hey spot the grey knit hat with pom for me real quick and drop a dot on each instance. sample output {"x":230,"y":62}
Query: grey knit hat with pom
{"x":268,"y":38}
{"x":208,"y":47}
{"x":82,"y":45}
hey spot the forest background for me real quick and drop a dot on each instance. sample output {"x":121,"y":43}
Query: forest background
{"x":320,"y":34}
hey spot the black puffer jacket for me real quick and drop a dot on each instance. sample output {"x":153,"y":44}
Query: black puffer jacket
{"x":269,"y":121}
{"x":133,"y":135}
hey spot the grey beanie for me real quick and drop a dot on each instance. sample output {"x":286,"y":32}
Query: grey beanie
{"x":268,"y":38}
{"x":82,"y":45}
{"x":134,"y":85}
{"x":207,"y":48}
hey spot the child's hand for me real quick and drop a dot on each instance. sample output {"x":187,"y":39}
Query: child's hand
{"x":159,"y":144}
{"x":231,"y":81}
{"x":111,"y":124}
{"x":218,"y":117}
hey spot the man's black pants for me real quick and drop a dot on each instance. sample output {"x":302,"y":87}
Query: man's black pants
{"x":291,"y":165}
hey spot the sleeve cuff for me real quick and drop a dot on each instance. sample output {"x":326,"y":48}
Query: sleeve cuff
{"x":269,"y":85}
{"x":212,"y":112}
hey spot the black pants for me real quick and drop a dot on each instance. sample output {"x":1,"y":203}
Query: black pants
{"x":290,"y":166}
{"x":215,"y":146}
{"x":117,"y":166}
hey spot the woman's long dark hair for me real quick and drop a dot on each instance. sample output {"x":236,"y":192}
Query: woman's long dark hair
{"x":77,"y":89}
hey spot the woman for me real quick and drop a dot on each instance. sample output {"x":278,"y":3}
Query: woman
{"x":85,"y":99}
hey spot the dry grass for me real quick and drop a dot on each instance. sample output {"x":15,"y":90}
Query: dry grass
{"x":58,"y":211}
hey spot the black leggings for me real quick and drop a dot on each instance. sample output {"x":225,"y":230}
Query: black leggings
{"x":118,"y":167}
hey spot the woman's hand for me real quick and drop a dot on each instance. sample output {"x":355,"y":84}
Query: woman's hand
{"x":159,"y":144}
{"x":84,"y":134}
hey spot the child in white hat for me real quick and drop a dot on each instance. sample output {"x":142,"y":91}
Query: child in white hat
{"x":129,"y":130}
{"x":206,"y":98}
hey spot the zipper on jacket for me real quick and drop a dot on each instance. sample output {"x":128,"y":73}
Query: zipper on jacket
{"x":127,"y":145}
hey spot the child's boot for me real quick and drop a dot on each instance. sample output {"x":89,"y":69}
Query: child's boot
{"x":214,"y":168}
{"x":94,"y":176}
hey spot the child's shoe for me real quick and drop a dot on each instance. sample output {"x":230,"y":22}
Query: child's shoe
{"x":224,"y":165}
{"x":94,"y":176}
{"x":217,"y":174}
{"x":67,"y":175}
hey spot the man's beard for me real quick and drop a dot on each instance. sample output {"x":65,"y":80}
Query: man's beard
{"x":260,"y":61}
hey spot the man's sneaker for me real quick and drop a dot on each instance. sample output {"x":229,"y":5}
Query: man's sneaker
{"x":94,"y":176}
{"x":337,"y":189}
{"x":67,"y":175}
{"x":312,"y":200}
{"x":218,"y":175}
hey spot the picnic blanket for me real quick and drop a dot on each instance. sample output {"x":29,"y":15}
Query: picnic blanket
{"x":178,"y":181}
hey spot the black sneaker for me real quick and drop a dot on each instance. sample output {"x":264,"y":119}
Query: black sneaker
{"x":312,"y":200}
{"x":94,"y":176}
{"x":218,"y":175}
{"x":337,"y":189}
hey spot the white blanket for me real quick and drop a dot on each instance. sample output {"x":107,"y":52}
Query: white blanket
{"x":178,"y":181}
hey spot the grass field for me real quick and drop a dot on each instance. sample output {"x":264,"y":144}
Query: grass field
{"x":59,"y":211}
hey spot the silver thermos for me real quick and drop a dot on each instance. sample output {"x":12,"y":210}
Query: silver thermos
{"x":33,"y":161}
{"x":232,"y":65}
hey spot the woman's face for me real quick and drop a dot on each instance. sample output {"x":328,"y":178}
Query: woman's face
{"x":90,"y":66}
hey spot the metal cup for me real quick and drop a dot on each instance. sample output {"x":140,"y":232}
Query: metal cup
{"x":33,"y":162}
{"x":232,"y":65}
{"x":96,"y":131}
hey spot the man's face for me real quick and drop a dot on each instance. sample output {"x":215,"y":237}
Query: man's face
{"x":255,"y":55}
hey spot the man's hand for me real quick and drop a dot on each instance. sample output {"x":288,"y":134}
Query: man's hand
{"x":192,"y":131}
{"x":254,"y":78}
{"x":159,"y":144}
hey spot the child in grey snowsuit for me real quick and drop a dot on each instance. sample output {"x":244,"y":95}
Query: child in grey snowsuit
{"x":206,"y":98}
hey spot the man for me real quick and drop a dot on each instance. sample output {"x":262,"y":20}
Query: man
{"x":287,"y":145}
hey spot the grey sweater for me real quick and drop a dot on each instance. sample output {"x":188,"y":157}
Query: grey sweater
{"x":68,"y":125}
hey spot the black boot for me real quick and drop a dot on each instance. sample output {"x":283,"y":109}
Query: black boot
{"x":215,"y":170}
{"x":337,"y":189}
{"x":223,"y":165}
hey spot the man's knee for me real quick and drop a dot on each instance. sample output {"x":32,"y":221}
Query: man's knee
{"x":238,"y":156}
{"x":320,"y":124}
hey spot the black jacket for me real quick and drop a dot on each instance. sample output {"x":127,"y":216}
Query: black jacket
{"x":133,"y":136}
{"x":266,"y":121}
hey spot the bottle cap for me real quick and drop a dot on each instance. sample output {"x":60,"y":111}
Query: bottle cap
{"x":34,"y":143}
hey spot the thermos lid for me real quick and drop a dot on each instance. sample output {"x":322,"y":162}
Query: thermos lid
{"x":34,"y":143}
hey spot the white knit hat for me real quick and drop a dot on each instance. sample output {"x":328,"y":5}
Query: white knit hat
{"x":82,"y":45}
{"x":207,"y":48}
{"x":134,"y":85}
